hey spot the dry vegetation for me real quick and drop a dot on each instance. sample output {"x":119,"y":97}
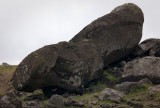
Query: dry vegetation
{"x":5,"y":77}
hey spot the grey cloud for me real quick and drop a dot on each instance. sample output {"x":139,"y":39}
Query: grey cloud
{"x":26,"y":25}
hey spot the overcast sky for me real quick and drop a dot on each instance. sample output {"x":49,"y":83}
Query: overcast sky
{"x":26,"y":25}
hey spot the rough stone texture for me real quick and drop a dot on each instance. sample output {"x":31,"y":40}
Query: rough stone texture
{"x":16,"y":102}
{"x":154,"y":89}
{"x":12,"y":101}
{"x":146,"y":67}
{"x":114,"y":33}
{"x":32,"y":103}
{"x":4,"y":104}
{"x":127,"y":86}
{"x":111,"y":94}
{"x":72,"y":102}
{"x":6,"y":98}
{"x":94,"y":102}
{"x":72,"y":65}
{"x":56,"y":101}
{"x":149,"y":47}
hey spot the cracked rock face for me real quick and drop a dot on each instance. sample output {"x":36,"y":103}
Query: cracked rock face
{"x":72,"y":65}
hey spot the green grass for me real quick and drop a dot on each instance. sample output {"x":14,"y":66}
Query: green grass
{"x":8,"y":69}
{"x":139,"y":89}
{"x":95,"y":87}
{"x":98,"y":85}
{"x":134,"y":92}
{"x":141,"y":95}
{"x":110,"y":77}
{"x":88,"y":96}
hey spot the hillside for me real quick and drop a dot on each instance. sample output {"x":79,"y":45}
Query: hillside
{"x":5,"y":77}
{"x":137,"y":97}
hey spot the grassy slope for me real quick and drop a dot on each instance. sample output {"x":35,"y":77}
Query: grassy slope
{"x":137,"y":95}
{"x":5,"y":76}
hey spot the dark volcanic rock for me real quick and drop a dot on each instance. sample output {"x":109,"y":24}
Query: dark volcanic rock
{"x":149,"y":47}
{"x":11,"y":101}
{"x":153,"y":90}
{"x":56,"y":101}
{"x":127,"y":86}
{"x":70,"y":101}
{"x":115,"y":34}
{"x":141,"y":68}
{"x":111,"y":94}
{"x":4,"y":104}
{"x":72,"y":65}
{"x":16,"y":102}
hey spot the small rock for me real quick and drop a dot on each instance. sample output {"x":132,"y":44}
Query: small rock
{"x":145,"y":81}
{"x":72,"y":102}
{"x":35,"y":96}
{"x":94,"y":102}
{"x":6,"y":98}
{"x":85,"y":101}
{"x":4,"y":104}
{"x":127,"y":86}
{"x":122,"y":63}
{"x":32,"y":103}
{"x":56,"y":101}
{"x":111,"y":94}
{"x":149,"y":47}
{"x":154,"y":89}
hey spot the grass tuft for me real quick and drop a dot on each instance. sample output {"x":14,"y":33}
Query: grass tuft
{"x":110,"y":77}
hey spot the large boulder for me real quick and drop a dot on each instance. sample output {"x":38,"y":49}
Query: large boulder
{"x":115,"y":34}
{"x":146,"y":67}
{"x":72,"y":65}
